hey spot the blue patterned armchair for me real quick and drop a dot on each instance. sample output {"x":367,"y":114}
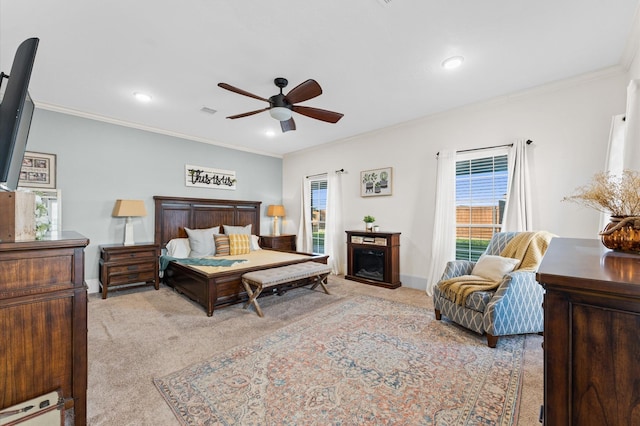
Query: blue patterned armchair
{"x":515,"y":307}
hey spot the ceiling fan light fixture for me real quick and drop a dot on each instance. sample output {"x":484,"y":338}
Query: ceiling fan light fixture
{"x":280,"y":113}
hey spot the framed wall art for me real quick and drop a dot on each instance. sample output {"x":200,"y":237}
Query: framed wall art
{"x":376,"y":182}
{"x":38,"y":170}
{"x":205,"y":177}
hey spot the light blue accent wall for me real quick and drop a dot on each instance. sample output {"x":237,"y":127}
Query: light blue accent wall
{"x":98,"y":162}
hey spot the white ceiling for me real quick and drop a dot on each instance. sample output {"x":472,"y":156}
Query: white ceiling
{"x":378,"y":64}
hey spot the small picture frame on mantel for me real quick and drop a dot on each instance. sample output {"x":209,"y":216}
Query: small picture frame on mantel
{"x":38,"y":170}
{"x":376,"y":182}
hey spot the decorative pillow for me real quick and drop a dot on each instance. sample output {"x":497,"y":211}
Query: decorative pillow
{"x":222,"y":245}
{"x":494,"y":267}
{"x":179,"y":248}
{"x":245,"y":230}
{"x":255,"y":244}
{"x":201,"y":241}
{"x":239,"y":244}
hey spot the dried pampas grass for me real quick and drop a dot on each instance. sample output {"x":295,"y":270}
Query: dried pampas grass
{"x":618,"y":195}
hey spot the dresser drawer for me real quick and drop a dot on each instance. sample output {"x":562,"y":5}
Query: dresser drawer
{"x":133,"y":267}
{"x":138,"y":254}
{"x":281,"y":244}
{"x":132,"y":277}
{"x":56,"y":266}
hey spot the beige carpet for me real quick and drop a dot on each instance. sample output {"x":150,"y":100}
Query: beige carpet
{"x":136,"y":335}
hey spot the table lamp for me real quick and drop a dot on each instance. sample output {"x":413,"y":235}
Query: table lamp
{"x":275,"y":211}
{"x":129,"y":209}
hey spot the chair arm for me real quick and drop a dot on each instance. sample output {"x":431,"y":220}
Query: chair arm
{"x":456,"y":268}
{"x":516,"y":307}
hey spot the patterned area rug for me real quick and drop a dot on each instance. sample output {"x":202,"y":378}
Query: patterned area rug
{"x":362,"y":361}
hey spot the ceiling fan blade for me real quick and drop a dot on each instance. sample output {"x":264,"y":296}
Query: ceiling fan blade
{"x":241,"y":92}
{"x":304,"y":91}
{"x":318,"y":114}
{"x":288,"y":125}
{"x":246,"y":114}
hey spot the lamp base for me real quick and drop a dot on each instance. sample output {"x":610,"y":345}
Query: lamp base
{"x":276,"y":229}
{"x":128,"y":233}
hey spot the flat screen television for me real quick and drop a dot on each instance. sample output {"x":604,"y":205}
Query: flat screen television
{"x":16,"y":111}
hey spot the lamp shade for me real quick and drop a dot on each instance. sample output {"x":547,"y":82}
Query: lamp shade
{"x":275,"y":210}
{"x":129,"y":208}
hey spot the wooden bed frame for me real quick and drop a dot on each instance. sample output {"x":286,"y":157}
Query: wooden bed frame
{"x":211,"y":290}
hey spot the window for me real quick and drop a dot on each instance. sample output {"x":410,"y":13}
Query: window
{"x":318,"y":213}
{"x":481,"y":191}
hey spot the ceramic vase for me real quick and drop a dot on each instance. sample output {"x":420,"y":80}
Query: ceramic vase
{"x":622,"y":233}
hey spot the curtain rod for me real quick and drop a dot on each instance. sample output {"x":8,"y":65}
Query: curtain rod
{"x":324,"y":174}
{"x":529,"y":142}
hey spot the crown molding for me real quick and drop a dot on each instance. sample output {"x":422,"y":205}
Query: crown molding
{"x":551,"y":87}
{"x":101,"y":118}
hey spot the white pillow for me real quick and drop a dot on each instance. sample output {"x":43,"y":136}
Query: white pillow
{"x":494,"y":267}
{"x":201,"y":241}
{"x":242,"y":230}
{"x":179,"y":248}
{"x":255,"y":245}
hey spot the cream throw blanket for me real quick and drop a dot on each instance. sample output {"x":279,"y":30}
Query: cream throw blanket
{"x":528,"y":247}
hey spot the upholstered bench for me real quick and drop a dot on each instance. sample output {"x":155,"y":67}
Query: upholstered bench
{"x":255,"y":282}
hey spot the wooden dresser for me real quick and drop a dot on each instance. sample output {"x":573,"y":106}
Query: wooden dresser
{"x":591,"y":334}
{"x":43,"y":314}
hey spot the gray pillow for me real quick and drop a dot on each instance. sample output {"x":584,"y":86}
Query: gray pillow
{"x":242,"y":230}
{"x":201,"y":241}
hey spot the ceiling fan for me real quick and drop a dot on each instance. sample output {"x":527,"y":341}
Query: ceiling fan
{"x":282,"y":106}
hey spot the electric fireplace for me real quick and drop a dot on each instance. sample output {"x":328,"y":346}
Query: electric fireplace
{"x":368,"y":263}
{"x":374,"y":258}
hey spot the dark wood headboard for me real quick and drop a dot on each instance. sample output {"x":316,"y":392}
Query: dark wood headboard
{"x":173,"y":214}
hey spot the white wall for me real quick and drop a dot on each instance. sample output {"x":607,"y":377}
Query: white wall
{"x":568,"y":122}
{"x":633,"y":47}
{"x":634,"y":70}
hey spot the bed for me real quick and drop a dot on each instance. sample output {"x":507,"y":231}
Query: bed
{"x":214,"y":287}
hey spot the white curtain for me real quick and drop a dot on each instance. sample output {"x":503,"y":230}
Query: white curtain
{"x":334,"y":242}
{"x":304,"y":240}
{"x":624,"y":139}
{"x":443,"y":245}
{"x":518,"y":212}
{"x":615,"y":154}
{"x":631,"y":158}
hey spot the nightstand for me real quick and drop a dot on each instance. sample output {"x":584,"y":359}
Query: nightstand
{"x":120,"y":265}
{"x":279,"y":242}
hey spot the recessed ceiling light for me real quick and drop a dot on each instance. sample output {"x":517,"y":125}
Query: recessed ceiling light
{"x":142,"y":97}
{"x":452,"y":62}
{"x":270,"y":133}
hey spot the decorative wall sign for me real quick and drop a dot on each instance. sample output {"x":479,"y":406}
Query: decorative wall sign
{"x":38,"y":170}
{"x":375,"y":182}
{"x":205,"y":177}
